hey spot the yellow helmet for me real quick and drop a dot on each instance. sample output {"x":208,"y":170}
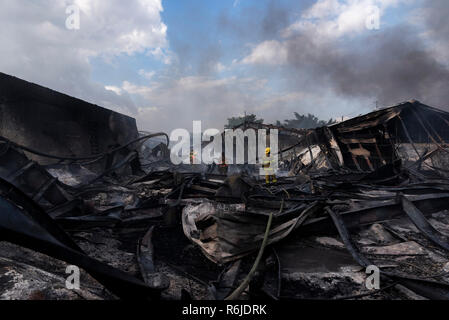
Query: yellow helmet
{"x":267,"y":150}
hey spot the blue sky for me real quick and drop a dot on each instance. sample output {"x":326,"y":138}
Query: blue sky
{"x":168,"y":62}
{"x":193,"y":26}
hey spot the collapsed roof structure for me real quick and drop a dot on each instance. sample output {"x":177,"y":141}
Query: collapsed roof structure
{"x":365,"y":143}
{"x":370,"y":191}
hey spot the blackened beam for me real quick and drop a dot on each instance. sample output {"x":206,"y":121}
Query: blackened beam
{"x":429,"y":289}
{"x":420,"y":221}
{"x":389,"y":210}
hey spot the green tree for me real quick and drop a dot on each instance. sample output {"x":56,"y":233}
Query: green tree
{"x":237,"y":121}
{"x":308,"y":121}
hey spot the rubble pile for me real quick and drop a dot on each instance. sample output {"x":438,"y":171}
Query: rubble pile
{"x":368,"y":192}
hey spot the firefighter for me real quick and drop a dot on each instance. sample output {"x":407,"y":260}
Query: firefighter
{"x":223,"y":167}
{"x":270,"y":176}
{"x":192,"y":156}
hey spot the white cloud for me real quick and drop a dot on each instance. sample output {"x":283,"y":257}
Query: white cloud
{"x":146,"y":74}
{"x":329,"y":19}
{"x":116,"y":27}
{"x":324,"y":22}
{"x":268,"y":52}
{"x":163,"y":55}
{"x":219,"y":67}
{"x":37,"y":46}
{"x":135,"y":89}
{"x":115,"y":89}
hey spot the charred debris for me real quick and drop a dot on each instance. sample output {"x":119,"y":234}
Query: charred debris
{"x":80,"y":186}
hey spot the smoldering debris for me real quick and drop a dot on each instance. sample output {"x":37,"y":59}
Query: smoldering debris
{"x":370,"y":191}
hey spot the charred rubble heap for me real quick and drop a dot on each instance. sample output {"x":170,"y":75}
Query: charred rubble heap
{"x":80,"y":186}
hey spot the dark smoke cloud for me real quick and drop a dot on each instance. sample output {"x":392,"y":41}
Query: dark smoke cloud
{"x":390,"y":66}
{"x":201,"y":51}
{"x":436,"y":18}
{"x":200,"y":57}
{"x":261,"y":22}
